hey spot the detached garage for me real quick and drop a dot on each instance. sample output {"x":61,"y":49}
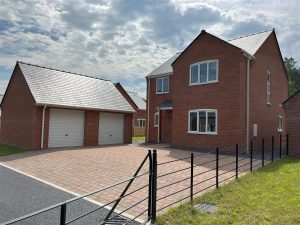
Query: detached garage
{"x":48,"y":108}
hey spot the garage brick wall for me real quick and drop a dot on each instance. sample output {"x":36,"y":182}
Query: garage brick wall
{"x":292,"y":112}
{"x":18,"y":114}
{"x":91,"y":128}
{"x":128,"y":128}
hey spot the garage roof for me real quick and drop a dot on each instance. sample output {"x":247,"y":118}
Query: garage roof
{"x":59,"y":88}
{"x":139,"y":101}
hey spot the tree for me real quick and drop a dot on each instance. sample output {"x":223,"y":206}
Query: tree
{"x":294,"y":75}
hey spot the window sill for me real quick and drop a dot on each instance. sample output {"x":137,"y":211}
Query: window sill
{"x":211,"y":82}
{"x":155,"y":125}
{"x":269,"y":104}
{"x":280,"y":131}
{"x":193,"y":132}
{"x":161,"y":93}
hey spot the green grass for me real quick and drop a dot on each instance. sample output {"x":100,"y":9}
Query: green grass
{"x":271,"y":195}
{"x":138,"y":139}
{"x":9,"y":150}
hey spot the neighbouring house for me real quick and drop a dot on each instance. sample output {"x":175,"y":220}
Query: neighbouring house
{"x":218,"y":93}
{"x":292,"y":112}
{"x":47,"y":108}
{"x":139,"y":105}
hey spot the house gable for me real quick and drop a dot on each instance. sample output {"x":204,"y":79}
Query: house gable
{"x":18,"y":112}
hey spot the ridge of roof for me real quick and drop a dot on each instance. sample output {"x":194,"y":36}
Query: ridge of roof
{"x":251,"y":34}
{"x":63,"y":71}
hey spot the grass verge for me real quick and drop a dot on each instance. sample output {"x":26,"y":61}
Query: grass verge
{"x":270,"y":195}
{"x":9,"y":150}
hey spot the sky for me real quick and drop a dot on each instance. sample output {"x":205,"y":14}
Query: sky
{"x":124,"y":40}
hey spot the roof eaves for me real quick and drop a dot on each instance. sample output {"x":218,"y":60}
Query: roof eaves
{"x":84,"y":108}
{"x":159,"y":75}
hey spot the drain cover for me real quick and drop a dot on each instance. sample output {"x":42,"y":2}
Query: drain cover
{"x":206,"y":208}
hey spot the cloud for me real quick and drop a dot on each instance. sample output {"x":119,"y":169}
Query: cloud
{"x":125,"y":40}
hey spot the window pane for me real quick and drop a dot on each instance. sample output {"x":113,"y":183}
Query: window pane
{"x":202,"y":121}
{"x":158,"y":85}
{"x":211,"y":123}
{"x":156,"y":119}
{"x":193,"y":121}
{"x":203,"y":73}
{"x":166,"y":84}
{"x":194,"y":74}
{"x":212,"y":75}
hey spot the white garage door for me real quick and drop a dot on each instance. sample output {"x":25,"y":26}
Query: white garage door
{"x":66,"y":128}
{"x":111,"y":128}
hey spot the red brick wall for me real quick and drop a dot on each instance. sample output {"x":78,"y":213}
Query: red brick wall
{"x":91,"y":129}
{"x":18,"y":114}
{"x":127,"y":128}
{"x":265,"y":116}
{"x":155,"y":101}
{"x":292,"y":113}
{"x":228,"y":95}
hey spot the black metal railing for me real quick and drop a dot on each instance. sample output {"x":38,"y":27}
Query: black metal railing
{"x":165,"y":185}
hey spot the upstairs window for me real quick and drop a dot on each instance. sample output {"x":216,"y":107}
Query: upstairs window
{"x":162,"y":85}
{"x":203,"y":121}
{"x":268,"y":88}
{"x":204,"y":72}
{"x":280,"y":123}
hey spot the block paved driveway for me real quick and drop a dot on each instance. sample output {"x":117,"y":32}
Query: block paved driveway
{"x":82,"y":170}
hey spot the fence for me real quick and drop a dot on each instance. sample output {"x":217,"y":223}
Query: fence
{"x":164,"y":184}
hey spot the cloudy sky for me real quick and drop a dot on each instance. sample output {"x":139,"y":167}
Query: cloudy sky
{"x":124,"y":40}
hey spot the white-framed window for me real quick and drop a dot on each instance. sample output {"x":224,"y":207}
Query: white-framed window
{"x":141,"y":122}
{"x":202,"y":121}
{"x":162,"y":85}
{"x":156,"y":119}
{"x":280,"y":123}
{"x":269,"y":87}
{"x":204,"y":72}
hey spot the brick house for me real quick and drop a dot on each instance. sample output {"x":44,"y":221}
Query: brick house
{"x":292,"y":112}
{"x":218,"y":93}
{"x":139,"y":105}
{"x":46,"y":108}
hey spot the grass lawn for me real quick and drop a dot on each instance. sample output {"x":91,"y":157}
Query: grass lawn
{"x":9,"y":150}
{"x":138,"y":139}
{"x":270,"y":195}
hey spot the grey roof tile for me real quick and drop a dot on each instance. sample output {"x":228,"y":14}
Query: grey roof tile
{"x":140,"y":102}
{"x":166,"y":67}
{"x":251,"y":43}
{"x":59,"y":88}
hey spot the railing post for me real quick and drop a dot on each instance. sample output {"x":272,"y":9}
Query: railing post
{"x":263,"y":152}
{"x":280,"y":146}
{"x":287,"y":144}
{"x":272,"y":156}
{"x":236,"y":161}
{"x":251,"y":156}
{"x":154,"y":187}
{"x":217,"y":168}
{"x":192,"y":178}
{"x":150,"y":185}
{"x":63,"y":212}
